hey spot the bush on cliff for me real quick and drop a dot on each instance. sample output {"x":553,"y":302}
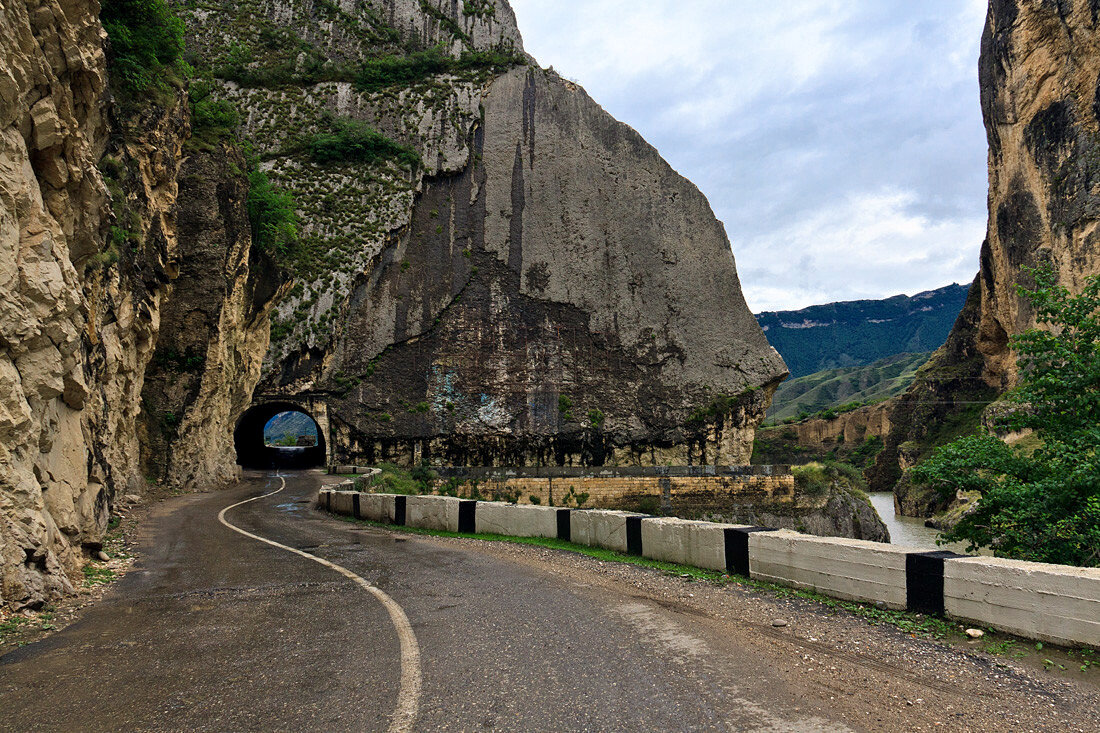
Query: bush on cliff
{"x":145,"y":43}
{"x":1044,"y":506}
{"x":352,"y":141}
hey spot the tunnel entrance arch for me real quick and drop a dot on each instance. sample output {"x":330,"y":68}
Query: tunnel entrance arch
{"x":254,"y":452}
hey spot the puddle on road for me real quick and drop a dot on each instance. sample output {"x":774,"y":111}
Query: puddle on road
{"x":288,"y":507}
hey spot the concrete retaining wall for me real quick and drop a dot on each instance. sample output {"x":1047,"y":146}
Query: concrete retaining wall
{"x":1049,"y":602}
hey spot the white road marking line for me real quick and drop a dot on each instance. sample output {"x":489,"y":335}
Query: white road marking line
{"x":408,"y":694}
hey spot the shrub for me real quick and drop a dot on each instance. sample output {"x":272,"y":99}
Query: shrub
{"x":353,"y":141}
{"x":387,"y":71}
{"x":145,"y":43}
{"x":272,"y":216}
{"x":1043,"y":506}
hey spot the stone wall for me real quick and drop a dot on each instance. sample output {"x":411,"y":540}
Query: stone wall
{"x":675,"y":490}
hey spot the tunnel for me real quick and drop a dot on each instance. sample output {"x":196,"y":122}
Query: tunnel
{"x":254,"y":452}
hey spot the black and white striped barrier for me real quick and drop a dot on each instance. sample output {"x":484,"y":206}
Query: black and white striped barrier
{"x":1049,"y":602}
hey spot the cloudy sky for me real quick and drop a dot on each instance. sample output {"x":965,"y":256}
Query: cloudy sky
{"x":840,"y":141}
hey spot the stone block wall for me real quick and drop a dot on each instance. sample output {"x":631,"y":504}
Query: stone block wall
{"x":682,"y":489}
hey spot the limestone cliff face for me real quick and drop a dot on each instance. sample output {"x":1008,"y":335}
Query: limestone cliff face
{"x":52,"y":74}
{"x":88,"y":252}
{"x":214,"y":328}
{"x":1039,"y":72}
{"x":544,"y":288}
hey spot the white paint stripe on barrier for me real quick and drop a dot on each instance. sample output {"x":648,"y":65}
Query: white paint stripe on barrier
{"x":516,"y":520}
{"x":853,"y":570}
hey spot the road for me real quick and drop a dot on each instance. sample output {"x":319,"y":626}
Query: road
{"x":216,"y":630}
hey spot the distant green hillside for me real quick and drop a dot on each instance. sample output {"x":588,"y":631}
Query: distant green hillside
{"x":860,"y":332}
{"x":835,"y":387}
{"x":287,"y":427}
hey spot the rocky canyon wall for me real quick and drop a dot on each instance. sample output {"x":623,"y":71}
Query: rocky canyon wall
{"x":1039,"y":73}
{"x":540,"y":288}
{"x":88,"y":253}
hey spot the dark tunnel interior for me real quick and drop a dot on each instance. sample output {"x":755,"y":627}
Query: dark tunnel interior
{"x":253,"y":452}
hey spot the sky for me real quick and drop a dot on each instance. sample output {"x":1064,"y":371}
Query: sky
{"x":840,"y":141}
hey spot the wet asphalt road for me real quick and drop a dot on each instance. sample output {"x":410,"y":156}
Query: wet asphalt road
{"x":216,"y":631}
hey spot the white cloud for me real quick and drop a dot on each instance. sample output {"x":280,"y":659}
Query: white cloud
{"x":826,"y":133}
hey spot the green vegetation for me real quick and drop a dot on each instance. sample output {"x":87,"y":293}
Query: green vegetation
{"x":171,"y":359}
{"x":718,"y":407}
{"x":479,"y":8}
{"x":406,"y":70}
{"x":352,"y":141}
{"x":816,"y":478}
{"x":565,"y":408}
{"x":595,"y":418}
{"x":1041,"y":504}
{"x":145,"y":45}
{"x":834,"y":392}
{"x":212,"y":120}
{"x":95,"y":574}
{"x":272,"y":215}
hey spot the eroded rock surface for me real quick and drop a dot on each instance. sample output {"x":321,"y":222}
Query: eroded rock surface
{"x":1039,"y":71}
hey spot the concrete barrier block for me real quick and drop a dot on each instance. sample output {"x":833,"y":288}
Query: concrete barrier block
{"x":600,"y":528}
{"x":324,"y":497}
{"x":854,"y":570}
{"x":377,"y":507}
{"x":432,"y":512}
{"x":687,"y":542}
{"x":516,"y":520}
{"x":1055,"y":603}
{"x":343,"y":503}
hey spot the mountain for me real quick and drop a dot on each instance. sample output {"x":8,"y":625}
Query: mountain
{"x":289,"y":425}
{"x":1040,"y":102}
{"x":844,"y":388}
{"x":383,"y":211}
{"x":857,"y":333}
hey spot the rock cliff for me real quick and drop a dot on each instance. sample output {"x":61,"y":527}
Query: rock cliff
{"x":88,"y":254}
{"x":488,"y":268}
{"x":1039,"y":73}
{"x":519,"y":279}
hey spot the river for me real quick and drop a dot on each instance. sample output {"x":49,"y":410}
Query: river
{"x":907,"y":530}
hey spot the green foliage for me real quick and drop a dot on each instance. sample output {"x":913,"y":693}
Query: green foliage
{"x":811,"y":479}
{"x":212,"y":119}
{"x":173,"y":360}
{"x":834,"y":392}
{"x":596,"y":418}
{"x":720,"y":406}
{"x":424,"y":476}
{"x":348,"y":141}
{"x":272,"y":216}
{"x":565,"y":408}
{"x":535,"y":500}
{"x":861,"y":332}
{"x":383,"y":72}
{"x":865,"y":454}
{"x":97,"y":575}
{"x":479,"y":8}
{"x":1043,"y":506}
{"x":145,"y":44}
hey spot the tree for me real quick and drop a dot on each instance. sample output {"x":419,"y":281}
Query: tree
{"x":1044,"y":506}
